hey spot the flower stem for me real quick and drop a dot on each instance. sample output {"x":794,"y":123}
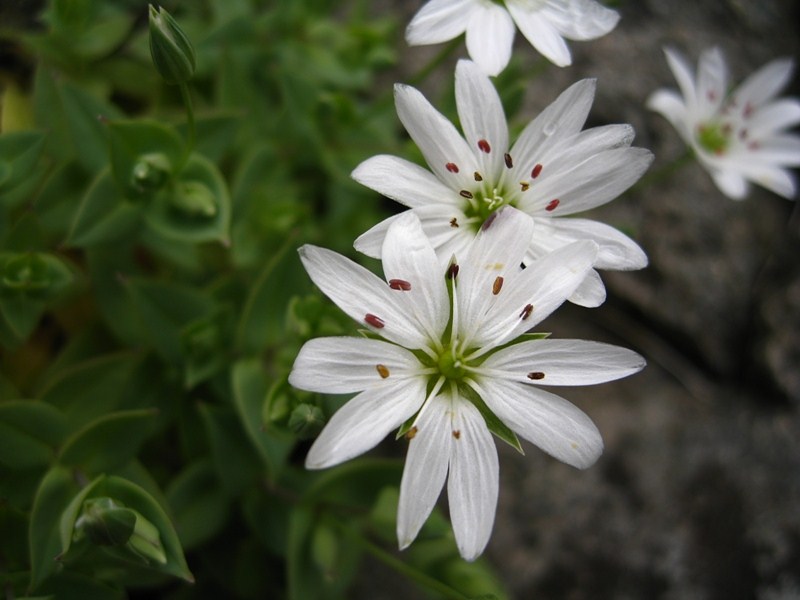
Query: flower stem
{"x":437,"y":60}
{"x":192,"y":131}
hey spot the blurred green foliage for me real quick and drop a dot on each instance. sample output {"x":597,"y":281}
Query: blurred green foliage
{"x":152,"y":303}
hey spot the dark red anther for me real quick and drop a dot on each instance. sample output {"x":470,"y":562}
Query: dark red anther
{"x":536,"y":375}
{"x":452,"y":271}
{"x":526,"y":312}
{"x":484,"y":146}
{"x":489,"y":220}
{"x":552,"y":205}
{"x":452,"y":167}
{"x":536,"y":170}
{"x":457,"y":433}
{"x":376,"y":322}
{"x":466,"y":194}
{"x":399,"y":284}
{"x":507,"y":158}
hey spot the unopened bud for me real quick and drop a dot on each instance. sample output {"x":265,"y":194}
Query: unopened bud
{"x":105,"y":522}
{"x":172,"y":52}
{"x":25,"y":273}
{"x":194,"y":199}
{"x":306,"y":420}
{"x":150,"y":172}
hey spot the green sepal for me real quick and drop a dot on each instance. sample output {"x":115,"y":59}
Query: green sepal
{"x":306,"y":420}
{"x":170,"y":48}
{"x":105,"y":523}
{"x":405,"y":427}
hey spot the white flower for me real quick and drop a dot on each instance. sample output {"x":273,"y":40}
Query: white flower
{"x":448,"y":356}
{"x":738,"y":136}
{"x":553,"y":170}
{"x":489,"y":26}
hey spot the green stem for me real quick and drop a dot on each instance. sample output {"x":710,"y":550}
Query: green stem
{"x":192,"y":131}
{"x":658,"y":175}
{"x":437,"y":60}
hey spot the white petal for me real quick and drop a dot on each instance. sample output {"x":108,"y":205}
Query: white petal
{"x":730,"y":183}
{"x":343,"y":365}
{"x":482,"y":118}
{"x":364,"y":421}
{"x":403,"y":181}
{"x":360,"y":293}
{"x":586,"y":185}
{"x":498,"y":251}
{"x":439,"y":21}
{"x":542,"y":35}
{"x":773,"y":117}
{"x":712,"y":82}
{"x":425,"y":469}
{"x":779,"y":150}
{"x":436,"y":137}
{"x":672,"y":107}
{"x":591,"y":292}
{"x":580,"y":19}
{"x":544,"y":285}
{"x":775,"y":179}
{"x":408,"y":256}
{"x":766,"y":83}
{"x":490,"y":35}
{"x":556,"y":426}
{"x":563,"y":118}
{"x":684,"y":75}
{"x":617,"y":251}
{"x":563,"y":362}
{"x":371,"y":241}
{"x":473,"y":482}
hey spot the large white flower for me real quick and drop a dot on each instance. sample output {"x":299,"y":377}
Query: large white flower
{"x":448,"y":361}
{"x":738,"y":136}
{"x":553,"y":170}
{"x":489,"y":26}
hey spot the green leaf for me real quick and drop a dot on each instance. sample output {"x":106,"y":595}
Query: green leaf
{"x":103,"y":215}
{"x":200,"y":507}
{"x":355,"y":484}
{"x":75,"y":586}
{"x":249,"y":393}
{"x":60,"y":197}
{"x":53,"y":496}
{"x":234,"y":457}
{"x":29,"y":433}
{"x":196,"y":208}
{"x":86,"y":116}
{"x":108,"y":441}
{"x":19,"y":153}
{"x":144,"y":155}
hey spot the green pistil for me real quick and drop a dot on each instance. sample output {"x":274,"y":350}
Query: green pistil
{"x":484,"y":203}
{"x":451,"y":366}
{"x":713,"y":137}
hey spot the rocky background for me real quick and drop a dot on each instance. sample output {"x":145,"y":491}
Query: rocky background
{"x":697,"y":495}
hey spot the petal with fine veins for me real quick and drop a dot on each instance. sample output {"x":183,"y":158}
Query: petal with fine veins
{"x":439,"y":21}
{"x":364,"y":421}
{"x":540,"y":32}
{"x":343,"y":365}
{"x":580,"y":19}
{"x":437,"y":138}
{"x":490,"y":35}
{"x":473,"y":482}
{"x":684,"y":75}
{"x":548,"y":421}
{"x":425,"y":469}
{"x":482,"y":118}
{"x":563,"y":362}
{"x":403,"y":181}
{"x":766,"y":83}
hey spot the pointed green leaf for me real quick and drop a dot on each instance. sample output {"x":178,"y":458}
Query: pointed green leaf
{"x":29,"y":433}
{"x":19,"y":153}
{"x":108,"y":441}
{"x":86,"y":116}
{"x":200,"y":506}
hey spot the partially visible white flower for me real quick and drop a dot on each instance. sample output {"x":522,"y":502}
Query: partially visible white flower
{"x":489,"y":26}
{"x":552,"y":171}
{"x":448,"y":356}
{"x":738,"y":135}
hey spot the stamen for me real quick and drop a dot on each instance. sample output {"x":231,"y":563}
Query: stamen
{"x":477,"y":176}
{"x":452,"y":271}
{"x":376,"y":322}
{"x":747,"y":112}
{"x":383,"y":371}
{"x":753,"y":146}
{"x":497,"y":285}
{"x":411,"y":433}
{"x":536,"y":170}
{"x":524,"y":186}
{"x":399,"y":284}
{"x":453,"y":222}
{"x":484,"y":146}
{"x":452,"y":167}
{"x":712,"y":95}
{"x":507,"y":158}
{"x":536,"y":375}
{"x":489,"y":220}
{"x":466,"y":194}
{"x":526,"y":312}
{"x":552,"y":205}
{"x":456,"y":433}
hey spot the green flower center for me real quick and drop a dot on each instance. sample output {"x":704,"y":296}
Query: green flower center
{"x":451,"y":365}
{"x":484,"y":202}
{"x":714,"y":137}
